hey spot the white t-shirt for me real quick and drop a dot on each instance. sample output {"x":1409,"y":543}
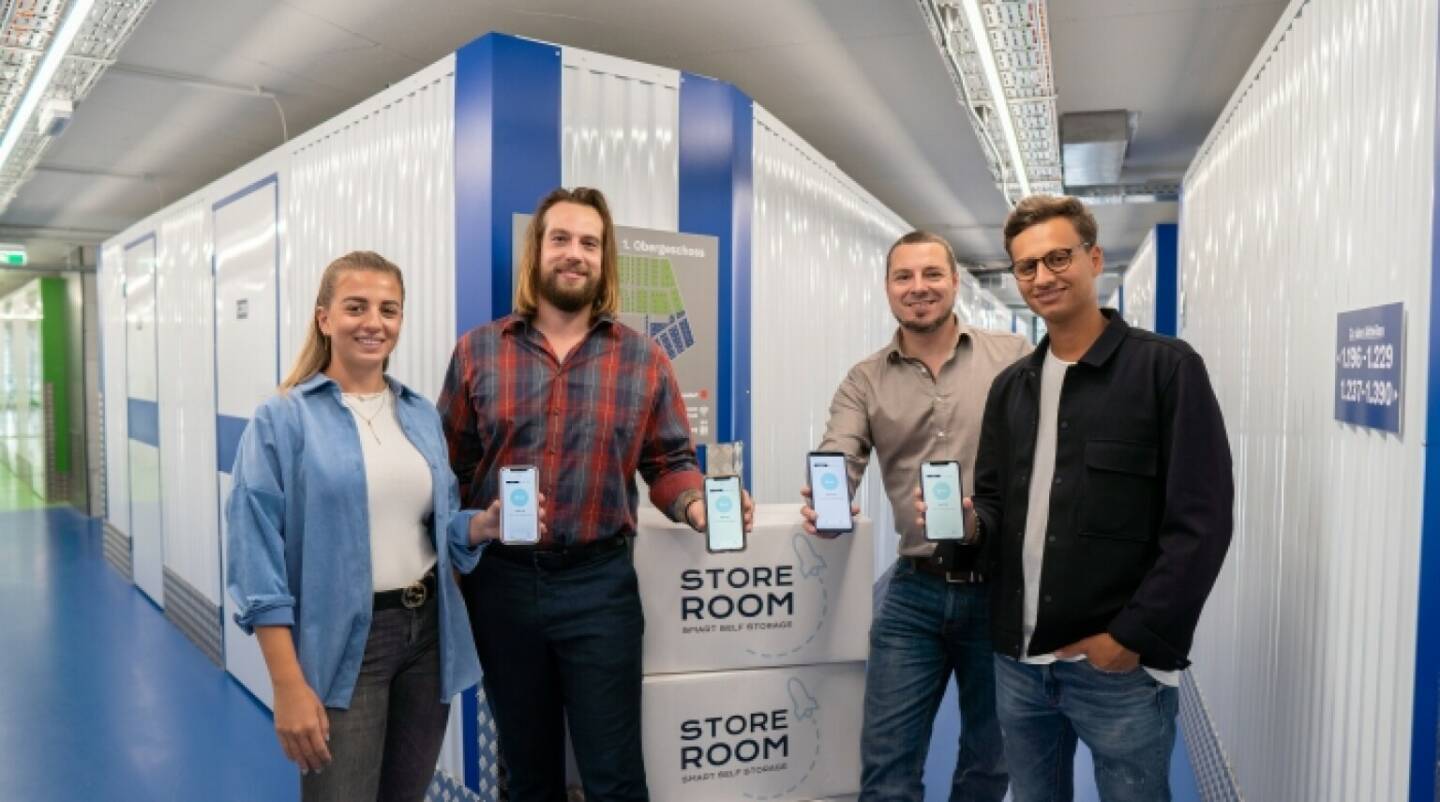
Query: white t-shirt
{"x":398,"y":486}
{"x":1037,"y":519}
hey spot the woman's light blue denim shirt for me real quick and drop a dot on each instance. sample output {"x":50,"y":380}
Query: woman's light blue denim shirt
{"x":299,"y":534}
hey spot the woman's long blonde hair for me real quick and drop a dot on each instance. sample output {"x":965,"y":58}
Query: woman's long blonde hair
{"x":314,"y":355}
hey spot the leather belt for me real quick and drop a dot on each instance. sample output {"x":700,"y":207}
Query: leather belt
{"x":553,"y":556}
{"x":411,"y":597}
{"x":928,"y":566}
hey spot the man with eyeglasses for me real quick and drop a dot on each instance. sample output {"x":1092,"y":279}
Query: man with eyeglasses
{"x":1103,"y":494}
{"x":920,"y":398}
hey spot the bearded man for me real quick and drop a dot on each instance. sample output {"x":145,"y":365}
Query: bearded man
{"x":562,"y":385}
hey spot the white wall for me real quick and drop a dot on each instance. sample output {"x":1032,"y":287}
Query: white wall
{"x":979,"y":308}
{"x":111,"y":292}
{"x":619,"y":121}
{"x":185,"y":318}
{"x":1139,"y":284}
{"x":379,"y":177}
{"x":1313,"y":196}
{"x":818,"y":248}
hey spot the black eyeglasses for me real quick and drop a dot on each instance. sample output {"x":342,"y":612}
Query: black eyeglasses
{"x":1056,"y":261}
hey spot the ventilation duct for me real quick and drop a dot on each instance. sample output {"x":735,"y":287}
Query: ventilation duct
{"x":1093,"y":146}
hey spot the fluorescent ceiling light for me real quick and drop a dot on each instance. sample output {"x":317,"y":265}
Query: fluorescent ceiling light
{"x":40,"y":82}
{"x":998,"y":102}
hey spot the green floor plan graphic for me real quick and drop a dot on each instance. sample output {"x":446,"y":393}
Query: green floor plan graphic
{"x":649,"y":292}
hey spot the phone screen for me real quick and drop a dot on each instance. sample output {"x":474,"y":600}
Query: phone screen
{"x":519,"y":510}
{"x":944,"y":513}
{"x":724,"y":520}
{"x":830,"y":491}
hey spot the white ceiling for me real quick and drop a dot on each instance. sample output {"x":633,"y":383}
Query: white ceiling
{"x":860,"y":79}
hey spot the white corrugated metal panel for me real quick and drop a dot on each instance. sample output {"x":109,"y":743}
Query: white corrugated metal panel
{"x":111,"y":297}
{"x":379,"y":177}
{"x":818,"y":286}
{"x":1139,"y":283}
{"x":979,"y":308}
{"x":619,"y":120}
{"x":185,"y":320}
{"x":1313,"y":196}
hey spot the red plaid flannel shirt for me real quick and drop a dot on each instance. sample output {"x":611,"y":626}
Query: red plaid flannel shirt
{"x":612,"y":408}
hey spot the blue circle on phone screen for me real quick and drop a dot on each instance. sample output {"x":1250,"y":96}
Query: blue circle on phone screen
{"x":942,"y":492}
{"x":829,"y":481}
{"x":724,"y":504}
{"x":519,"y":497}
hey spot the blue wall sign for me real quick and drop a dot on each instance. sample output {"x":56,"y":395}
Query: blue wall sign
{"x":1369,"y":366}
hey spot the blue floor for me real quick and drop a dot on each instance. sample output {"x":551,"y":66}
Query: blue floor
{"x":102,"y":698}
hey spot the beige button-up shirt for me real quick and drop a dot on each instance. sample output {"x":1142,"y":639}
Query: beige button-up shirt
{"x":891,"y":405}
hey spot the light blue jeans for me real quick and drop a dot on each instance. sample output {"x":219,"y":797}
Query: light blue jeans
{"x":926,"y":629}
{"x":1127,"y":719}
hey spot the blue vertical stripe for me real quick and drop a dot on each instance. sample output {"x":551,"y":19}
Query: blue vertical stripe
{"x":1167,"y":279}
{"x":144,"y":421}
{"x":1120,"y":299}
{"x":717,"y":198}
{"x":227,"y":440}
{"x":507,"y":157}
{"x":1424,"y":751}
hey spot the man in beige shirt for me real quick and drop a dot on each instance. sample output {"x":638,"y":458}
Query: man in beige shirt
{"x":922,"y":398}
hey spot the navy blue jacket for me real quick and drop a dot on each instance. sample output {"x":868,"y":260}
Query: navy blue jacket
{"x":1140,"y":505}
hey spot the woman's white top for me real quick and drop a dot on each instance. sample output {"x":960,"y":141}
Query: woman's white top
{"x":397,"y":484}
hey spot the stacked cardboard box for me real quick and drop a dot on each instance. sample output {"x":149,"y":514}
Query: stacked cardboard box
{"x":754,"y":661}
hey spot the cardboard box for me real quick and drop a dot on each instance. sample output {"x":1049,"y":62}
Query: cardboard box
{"x":788,"y":599}
{"x":761,"y":734}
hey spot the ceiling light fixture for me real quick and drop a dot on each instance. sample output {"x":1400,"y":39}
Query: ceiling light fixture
{"x":998,"y":55}
{"x":67,"y":47}
{"x":40,"y":82}
{"x":998,"y":104}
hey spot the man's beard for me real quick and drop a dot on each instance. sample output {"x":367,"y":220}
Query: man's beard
{"x":916,"y":327}
{"x":569,"y":300}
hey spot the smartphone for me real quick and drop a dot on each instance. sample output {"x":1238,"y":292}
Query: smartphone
{"x":944,"y":509}
{"x":830,"y":492}
{"x":519,"y":505}
{"x":724,"y":519}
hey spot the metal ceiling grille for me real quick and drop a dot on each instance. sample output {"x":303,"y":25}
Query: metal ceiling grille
{"x":1011,"y":59}
{"x":27,"y":34}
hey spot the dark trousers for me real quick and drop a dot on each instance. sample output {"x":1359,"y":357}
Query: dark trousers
{"x":386,"y":744}
{"x":562,"y":644}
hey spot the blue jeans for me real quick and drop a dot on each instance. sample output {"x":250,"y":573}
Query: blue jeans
{"x":562,"y":645}
{"x":924,"y":630}
{"x":1127,"y":719}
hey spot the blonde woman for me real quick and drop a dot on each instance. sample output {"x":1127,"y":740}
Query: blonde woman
{"x":344,"y":537}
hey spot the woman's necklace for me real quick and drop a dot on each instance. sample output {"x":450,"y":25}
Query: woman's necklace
{"x":354,"y":400}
